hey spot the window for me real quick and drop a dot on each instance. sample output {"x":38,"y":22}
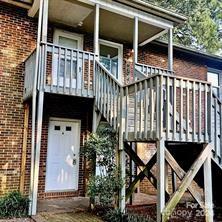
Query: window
{"x":213,"y":77}
{"x":111,"y":56}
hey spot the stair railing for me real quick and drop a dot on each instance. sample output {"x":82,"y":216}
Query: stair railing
{"x":160,"y":106}
{"x":216,"y":127}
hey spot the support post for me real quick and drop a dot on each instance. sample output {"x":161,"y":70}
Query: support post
{"x":174,"y":181}
{"x":170,"y":49}
{"x":160,"y":179}
{"x":24,"y":147}
{"x":166,"y":177}
{"x":96,"y":30}
{"x":122,"y":158}
{"x":41,"y":71}
{"x":135,"y":44}
{"x":208,"y":190}
{"x":34,"y":95}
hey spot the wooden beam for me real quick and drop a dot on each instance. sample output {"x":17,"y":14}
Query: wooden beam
{"x":160,"y":179}
{"x":122,"y":158}
{"x":130,"y":12}
{"x":24,"y":147}
{"x":181,"y":174}
{"x":18,"y":4}
{"x":170,"y":206}
{"x":208,"y":190}
{"x":96,"y":29}
{"x":144,"y":173}
{"x":34,"y":9}
{"x":135,"y":40}
{"x":153,"y":37}
{"x":170,"y":49}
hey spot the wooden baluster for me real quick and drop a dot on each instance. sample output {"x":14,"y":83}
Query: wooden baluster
{"x":127,"y":112}
{"x":65,"y":68}
{"x":71,"y":72}
{"x":194,"y":110}
{"x":188,"y":112}
{"x":114,"y":105}
{"x":51,"y":75}
{"x":158,"y":106}
{"x":167,"y":107}
{"x":140,"y":108}
{"x":135,"y":111}
{"x":220,"y":124}
{"x":58,"y":71}
{"x":105,"y":95}
{"x":181,"y":109}
{"x":215,"y":127}
{"x":205,"y":113}
{"x":83,"y":74}
{"x":174,"y":108}
{"x":199,"y":114}
{"x":146,"y":109}
{"x":88,"y":75}
{"x":151,"y":108}
{"x":78,"y":71}
{"x":108,"y":99}
{"x":161,"y":108}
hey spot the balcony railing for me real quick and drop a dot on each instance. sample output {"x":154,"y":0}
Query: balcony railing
{"x":62,"y":70}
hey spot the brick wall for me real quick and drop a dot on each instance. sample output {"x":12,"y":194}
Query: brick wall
{"x":17,"y":41}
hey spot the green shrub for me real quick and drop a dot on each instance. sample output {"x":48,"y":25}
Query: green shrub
{"x":113,"y":215}
{"x":14,"y":204}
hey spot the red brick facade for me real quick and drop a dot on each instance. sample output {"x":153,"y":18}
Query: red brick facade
{"x":17,"y":41}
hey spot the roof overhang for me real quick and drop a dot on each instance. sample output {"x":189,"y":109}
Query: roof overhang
{"x":116,"y":18}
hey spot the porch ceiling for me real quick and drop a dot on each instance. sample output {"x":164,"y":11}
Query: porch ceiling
{"x":113,"y":26}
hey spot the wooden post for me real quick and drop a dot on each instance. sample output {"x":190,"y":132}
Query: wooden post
{"x":174,"y":181}
{"x":131,"y":174}
{"x":135,"y":44}
{"x":96,"y":30}
{"x":24,"y":147}
{"x":34,"y":93}
{"x":122,"y":158}
{"x":166,"y":177}
{"x":160,"y":179}
{"x":208,"y":190}
{"x":42,"y":69}
{"x":170,"y":49}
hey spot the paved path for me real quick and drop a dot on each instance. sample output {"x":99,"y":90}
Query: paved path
{"x":69,"y":217}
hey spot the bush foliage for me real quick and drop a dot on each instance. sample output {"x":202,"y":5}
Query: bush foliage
{"x":14,"y":204}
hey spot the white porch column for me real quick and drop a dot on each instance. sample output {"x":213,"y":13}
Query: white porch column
{"x":135,"y":40}
{"x":170,"y":49}
{"x":40,"y":95}
{"x":96,"y":30}
{"x":160,"y":179}
{"x":122,"y":158}
{"x":34,"y":107}
{"x":208,"y":190}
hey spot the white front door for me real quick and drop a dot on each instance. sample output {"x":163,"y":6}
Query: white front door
{"x":62,"y":170}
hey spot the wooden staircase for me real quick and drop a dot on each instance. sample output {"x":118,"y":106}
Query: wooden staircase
{"x":163,"y":107}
